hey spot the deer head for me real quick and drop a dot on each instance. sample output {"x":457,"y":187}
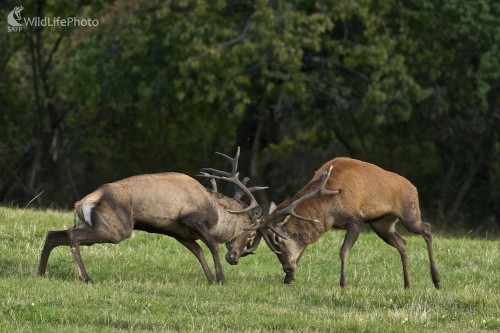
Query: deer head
{"x":236,"y":247}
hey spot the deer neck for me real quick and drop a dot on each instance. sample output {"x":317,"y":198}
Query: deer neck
{"x":229,"y":225}
{"x":306,"y":231}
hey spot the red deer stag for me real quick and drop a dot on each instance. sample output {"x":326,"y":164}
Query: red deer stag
{"x":171,"y":204}
{"x":344,"y":194}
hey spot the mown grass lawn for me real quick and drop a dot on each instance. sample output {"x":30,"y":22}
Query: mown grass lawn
{"x":152,"y":283}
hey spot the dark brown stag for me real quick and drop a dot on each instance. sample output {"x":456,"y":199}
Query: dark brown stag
{"x":345,"y":194}
{"x":172,"y":204}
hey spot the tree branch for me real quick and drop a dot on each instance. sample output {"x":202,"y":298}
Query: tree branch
{"x":241,"y":36}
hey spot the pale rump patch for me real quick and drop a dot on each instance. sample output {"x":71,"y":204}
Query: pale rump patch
{"x":87,"y":210}
{"x":79,"y":223}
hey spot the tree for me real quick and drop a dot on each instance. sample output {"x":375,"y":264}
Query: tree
{"x":455,"y":48}
{"x":410,"y":86}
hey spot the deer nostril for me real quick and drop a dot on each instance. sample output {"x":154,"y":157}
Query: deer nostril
{"x":230,"y":258}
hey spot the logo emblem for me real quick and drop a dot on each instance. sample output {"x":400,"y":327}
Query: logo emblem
{"x":14,"y":17}
{"x":18,"y":23}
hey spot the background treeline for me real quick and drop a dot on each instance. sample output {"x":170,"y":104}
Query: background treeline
{"x":412,"y":86}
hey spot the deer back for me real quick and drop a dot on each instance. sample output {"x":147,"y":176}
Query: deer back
{"x":154,"y":199}
{"x":159,"y":202}
{"x":366,"y":191}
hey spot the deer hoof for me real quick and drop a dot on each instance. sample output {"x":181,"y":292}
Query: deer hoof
{"x":87,"y":280}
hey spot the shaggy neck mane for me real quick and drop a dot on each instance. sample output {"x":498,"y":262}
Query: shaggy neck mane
{"x":306,"y":231}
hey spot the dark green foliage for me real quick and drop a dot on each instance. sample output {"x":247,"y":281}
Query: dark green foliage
{"x":410,"y":86}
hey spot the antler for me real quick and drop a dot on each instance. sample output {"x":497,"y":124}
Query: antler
{"x":290,"y":209}
{"x":238,"y":194}
{"x":251,"y":247}
{"x":233,"y":177}
{"x":214,"y":185}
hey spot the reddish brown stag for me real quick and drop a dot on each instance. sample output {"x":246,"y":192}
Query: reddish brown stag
{"x":345,"y":194}
{"x":170,"y":203}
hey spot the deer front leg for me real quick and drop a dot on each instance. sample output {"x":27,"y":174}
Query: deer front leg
{"x":198,"y":223}
{"x":196,"y":249}
{"x":288,"y":267}
{"x":214,"y":249}
{"x":352,"y":233}
{"x":289,"y":258}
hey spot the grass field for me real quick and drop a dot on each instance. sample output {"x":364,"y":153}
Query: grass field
{"x":152,"y":283}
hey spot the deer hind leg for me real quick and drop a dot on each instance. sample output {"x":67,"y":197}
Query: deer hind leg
{"x":416,"y":226}
{"x":436,"y":279}
{"x":52,"y":240}
{"x":424,"y":229}
{"x":112,"y":227}
{"x":196,"y":249}
{"x":89,"y":236}
{"x":108,"y":226}
{"x":385,"y":229}
{"x":81,"y":237}
{"x":352,"y":234}
{"x":72,"y":238}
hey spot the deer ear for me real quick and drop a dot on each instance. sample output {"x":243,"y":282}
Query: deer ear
{"x":272,"y":208}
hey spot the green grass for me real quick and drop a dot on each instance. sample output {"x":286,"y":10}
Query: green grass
{"x":151,"y":283}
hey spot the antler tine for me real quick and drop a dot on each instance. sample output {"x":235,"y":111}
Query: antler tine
{"x":255,"y":243}
{"x":233,"y":161}
{"x":253,"y":246}
{"x":324,"y":178}
{"x":258,"y":188}
{"x":238,"y":194}
{"x":233,"y":177}
{"x":290,"y":209}
{"x":269,"y":243}
{"x":205,"y":172}
{"x":253,"y":202}
{"x":214,"y":185}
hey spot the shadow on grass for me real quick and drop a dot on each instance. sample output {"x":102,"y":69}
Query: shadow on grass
{"x":64,"y":270}
{"x":9,"y":268}
{"x":130,"y":325}
{"x":102,"y":323}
